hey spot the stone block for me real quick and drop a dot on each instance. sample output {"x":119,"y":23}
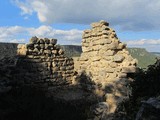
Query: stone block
{"x":19,"y":46}
{"x":85,"y":49}
{"x":30,"y":46}
{"x":134,"y":62}
{"x":87,"y":31}
{"x":96,"y":58}
{"x":120,"y":46}
{"x":61,"y":52}
{"x":54,"y":64}
{"x":95,"y":24}
{"x":36,"y":57}
{"x":109,"y":53}
{"x":102,"y":73}
{"x":33,"y":40}
{"x":105,"y":36}
{"x":108,"y":58}
{"x":113,"y":75}
{"x":55,"y":52}
{"x":55,"y":69}
{"x":83,"y":58}
{"x":62,"y":68}
{"x":36,"y":50}
{"x":110,"y":70}
{"x":110,"y":98}
{"x":41,"y":41}
{"x":93,"y":53}
{"x":122,"y":75}
{"x":42,"y":46}
{"x":102,"y":42}
{"x":96,"y":48}
{"x":53,"y":41}
{"x":126,"y":63}
{"x":102,"y":22}
{"x":22,"y":50}
{"x":30,"y":56}
{"x":47,"y":41}
{"x":118,"y":58}
{"x":85,"y":44}
{"x":129,"y":69}
{"x":113,"y":46}
{"x":104,"y":27}
{"x":113,"y":64}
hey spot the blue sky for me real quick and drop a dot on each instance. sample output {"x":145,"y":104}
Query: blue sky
{"x":135,"y":22}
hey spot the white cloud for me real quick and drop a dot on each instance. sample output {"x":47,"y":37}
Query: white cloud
{"x":150,"y":45}
{"x":65,"y":35}
{"x":17,"y":41}
{"x":143,"y":42}
{"x":24,"y":6}
{"x":18,"y":33}
{"x":9,"y":32}
{"x":127,"y":14}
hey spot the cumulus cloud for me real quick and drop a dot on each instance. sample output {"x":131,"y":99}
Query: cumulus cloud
{"x":18,"y":33}
{"x":127,"y":14}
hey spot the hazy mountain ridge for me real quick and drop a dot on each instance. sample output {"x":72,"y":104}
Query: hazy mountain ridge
{"x":72,"y":50}
{"x":144,"y":57}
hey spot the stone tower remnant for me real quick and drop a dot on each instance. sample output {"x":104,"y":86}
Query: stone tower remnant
{"x":107,"y":62}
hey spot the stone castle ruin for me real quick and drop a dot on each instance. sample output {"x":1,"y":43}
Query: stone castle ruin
{"x":105,"y":60}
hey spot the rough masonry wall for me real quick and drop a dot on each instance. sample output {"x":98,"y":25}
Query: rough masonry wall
{"x":46,"y":62}
{"x":106,"y":61}
{"x":104,"y":57}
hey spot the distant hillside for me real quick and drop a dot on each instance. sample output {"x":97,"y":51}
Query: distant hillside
{"x":144,"y":58}
{"x":72,"y":50}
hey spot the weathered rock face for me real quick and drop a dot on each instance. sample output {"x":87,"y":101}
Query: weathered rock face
{"x":106,"y":61}
{"x":46,"y":61}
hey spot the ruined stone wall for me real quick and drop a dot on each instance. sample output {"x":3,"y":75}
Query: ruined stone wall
{"x":106,"y":61}
{"x":104,"y":56}
{"x":46,"y":62}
